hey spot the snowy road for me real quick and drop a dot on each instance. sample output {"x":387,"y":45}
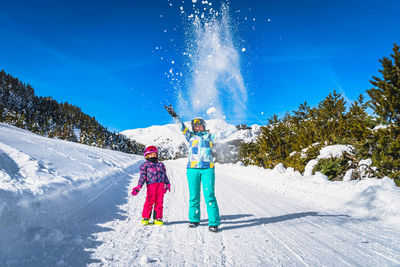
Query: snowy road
{"x":258,"y":227}
{"x":66,"y":204}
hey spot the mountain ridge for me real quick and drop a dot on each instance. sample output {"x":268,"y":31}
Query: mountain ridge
{"x":172,"y":144}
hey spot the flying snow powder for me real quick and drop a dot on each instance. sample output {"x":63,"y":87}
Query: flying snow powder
{"x":211,"y":111}
{"x":214,"y":66}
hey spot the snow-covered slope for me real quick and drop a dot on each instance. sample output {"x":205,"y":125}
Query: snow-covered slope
{"x":36,"y":165}
{"x":168,"y":139}
{"x":66,"y":204}
{"x":172,"y":144}
{"x":46,"y":190}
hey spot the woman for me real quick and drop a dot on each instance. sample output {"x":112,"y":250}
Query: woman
{"x":200,"y":170}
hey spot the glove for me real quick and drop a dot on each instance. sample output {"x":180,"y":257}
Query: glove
{"x":171,"y":111}
{"x":167,"y":188}
{"x":136,"y":190}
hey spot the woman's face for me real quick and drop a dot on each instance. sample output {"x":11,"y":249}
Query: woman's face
{"x":151,"y":155}
{"x":198,"y":128}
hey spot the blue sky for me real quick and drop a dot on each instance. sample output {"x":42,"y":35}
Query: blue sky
{"x":102,"y":56}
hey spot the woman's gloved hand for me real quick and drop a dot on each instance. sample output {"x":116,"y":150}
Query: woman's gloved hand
{"x":171,"y":111}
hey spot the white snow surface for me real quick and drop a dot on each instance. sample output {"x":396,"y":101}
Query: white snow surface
{"x":66,"y":204}
{"x":379,"y":127}
{"x":334,"y":151}
{"x":35,"y":165}
{"x":52,"y":196}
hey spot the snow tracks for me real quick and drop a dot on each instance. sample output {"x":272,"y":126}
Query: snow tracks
{"x":57,"y":230}
{"x":258,"y":227}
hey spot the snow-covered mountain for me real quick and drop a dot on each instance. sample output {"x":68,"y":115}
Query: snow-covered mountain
{"x":172,"y":144}
{"x":68,"y":204}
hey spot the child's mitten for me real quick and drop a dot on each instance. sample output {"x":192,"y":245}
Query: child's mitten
{"x":167,"y":188}
{"x":136,"y":190}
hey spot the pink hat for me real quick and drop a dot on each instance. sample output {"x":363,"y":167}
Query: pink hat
{"x":150,"y":149}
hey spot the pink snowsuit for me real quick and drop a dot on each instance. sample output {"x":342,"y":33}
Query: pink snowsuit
{"x":155,"y":196}
{"x":155,"y":177}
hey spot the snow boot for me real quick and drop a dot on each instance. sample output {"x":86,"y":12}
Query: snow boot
{"x":193,"y":224}
{"x":213,"y":229}
{"x":159,"y":222}
{"x":145,"y":221}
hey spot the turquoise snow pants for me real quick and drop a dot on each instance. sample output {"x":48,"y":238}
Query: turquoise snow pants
{"x":207,"y":178}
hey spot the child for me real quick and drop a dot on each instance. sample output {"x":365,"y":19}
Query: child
{"x":154,"y":174}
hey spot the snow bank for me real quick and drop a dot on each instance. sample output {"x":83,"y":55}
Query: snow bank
{"x":45,"y":187}
{"x":371,"y":198}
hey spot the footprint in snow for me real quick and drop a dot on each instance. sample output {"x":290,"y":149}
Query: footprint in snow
{"x":145,"y":260}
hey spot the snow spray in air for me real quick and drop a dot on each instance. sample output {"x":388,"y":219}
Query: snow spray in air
{"x":216,"y":84}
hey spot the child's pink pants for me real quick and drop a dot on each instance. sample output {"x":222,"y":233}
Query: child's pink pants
{"x":155,"y":196}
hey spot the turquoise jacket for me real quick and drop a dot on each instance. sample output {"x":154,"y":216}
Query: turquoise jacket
{"x":200,"y":147}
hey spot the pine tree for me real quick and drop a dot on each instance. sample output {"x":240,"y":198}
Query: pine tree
{"x":306,"y":134}
{"x":330,"y":118}
{"x":385,"y":101}
{"x":358,"y":121}
{"x":385,"y":96}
